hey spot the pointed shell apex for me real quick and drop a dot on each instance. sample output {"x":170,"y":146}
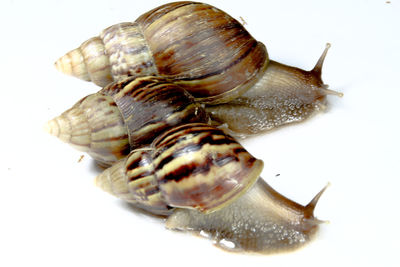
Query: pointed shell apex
{"x":73,"y":64}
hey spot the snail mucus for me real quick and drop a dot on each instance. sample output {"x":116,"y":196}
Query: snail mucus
{"x":213,"y":57}
{"x":156,"y":123}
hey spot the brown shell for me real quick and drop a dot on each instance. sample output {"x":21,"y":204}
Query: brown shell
{"x":125,"y":115}
{"x":151,"y":105}
{"x":207,"y":51}
{"x":193,"y":166}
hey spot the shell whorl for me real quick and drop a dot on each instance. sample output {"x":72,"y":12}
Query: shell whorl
{"x":128,"y":51}
{"x":93,"y":125}
{"x":206,"y":51}
{"x":118,"y":52}
{"x":195,"y":166}
{"x":151,"y":105}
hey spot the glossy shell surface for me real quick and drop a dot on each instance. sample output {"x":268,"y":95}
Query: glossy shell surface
{"x":193,"y":166}
{"x":208,"y":52}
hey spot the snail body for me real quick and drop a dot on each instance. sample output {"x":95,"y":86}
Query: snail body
{"x":283,"y":95}
{"x":207,"y":182}
{"x":125,"y":115}
{"x":209,"y":54}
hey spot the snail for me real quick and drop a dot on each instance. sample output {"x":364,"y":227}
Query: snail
{"x":207,"y":183}
{"x":125,"y":115}
{"x":209,"y":54}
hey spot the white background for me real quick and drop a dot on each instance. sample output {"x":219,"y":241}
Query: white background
{"x":51,"y":214}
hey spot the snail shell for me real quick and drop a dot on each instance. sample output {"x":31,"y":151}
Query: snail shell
{"x":208,"y":184}
{"x":193,"y":166}
{"x":211,"y":55}
{"x":125,"y":115}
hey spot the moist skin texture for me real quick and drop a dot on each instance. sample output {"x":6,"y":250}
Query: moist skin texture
{"x":283,"y":95}
{"x":261,"y":221}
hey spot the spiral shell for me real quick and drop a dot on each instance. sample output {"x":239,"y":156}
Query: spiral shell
{"x":125,"y":115}
{"x":193,"y":166}
{"x":209,"y":53}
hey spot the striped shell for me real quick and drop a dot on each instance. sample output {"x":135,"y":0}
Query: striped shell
{"x":193,"y":166}
{"x":125,"y":115}
{"x":93,"y":125}
{"x":210,"y":54}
